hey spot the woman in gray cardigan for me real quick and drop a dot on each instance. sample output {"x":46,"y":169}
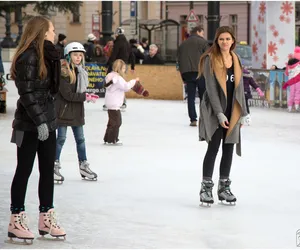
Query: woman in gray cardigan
{"x":222,"y":110}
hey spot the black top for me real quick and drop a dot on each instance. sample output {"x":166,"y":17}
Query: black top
{"x":230,"y":90}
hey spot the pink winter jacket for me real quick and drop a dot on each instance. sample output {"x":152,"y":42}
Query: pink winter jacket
{"x":115,"y":93}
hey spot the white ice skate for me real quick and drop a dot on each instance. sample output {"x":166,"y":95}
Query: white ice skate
{"x":86,"y":172}
{"x":58,"y":178}
{"x":123,"y":107}
{"x":118,"y":143}
{"x":248,"y":120}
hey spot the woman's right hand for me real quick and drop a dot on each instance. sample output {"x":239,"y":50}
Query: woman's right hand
{"x":225,"y":124}
{"x":223,"y":120}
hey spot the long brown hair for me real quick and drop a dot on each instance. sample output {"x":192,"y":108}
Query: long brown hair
{"x":35,"y":31}
{"x":215,"y":52}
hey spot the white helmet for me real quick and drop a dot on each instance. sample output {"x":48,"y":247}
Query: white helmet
{"x":71,"y":47}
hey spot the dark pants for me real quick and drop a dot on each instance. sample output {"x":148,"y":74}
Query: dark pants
{"x":193,"y":84}
{"x":247,"y":104}
{"x":113,"y":126}
{"x":211,"y":154}
{"x":25,"y":156}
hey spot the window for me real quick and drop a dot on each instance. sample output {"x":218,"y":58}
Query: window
{"x":233,"y":22}
{"x":76,"y":15}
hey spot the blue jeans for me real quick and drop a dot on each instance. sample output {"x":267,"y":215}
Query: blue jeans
{"x":79,"y":138}
{"x":193,"y":84}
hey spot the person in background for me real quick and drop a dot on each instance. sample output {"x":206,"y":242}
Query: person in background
{"x":145,"y":45}
{"x":70,"y":108}
{"x":293,"y":72}
{"x":36,"y":71}
{"x":249,"y":81}
{"x":154,"y":57}
{"x":188,"y":56}
{"x":1,"y":63}
{"x":121,"y":50}
{"x":99,"y":56}
{"x":61,"y":43}
{"x":90,"y":47}
{"x":137,"y":50}
{"x":108,"y":48}
{"x":116,"y":86}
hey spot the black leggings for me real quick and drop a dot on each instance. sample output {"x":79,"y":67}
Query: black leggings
{"x":26,"y":155}
{"x":211,"y":154}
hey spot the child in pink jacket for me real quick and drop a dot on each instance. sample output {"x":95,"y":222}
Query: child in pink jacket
{"x":293,"y":72}
{"x":116,"y":87}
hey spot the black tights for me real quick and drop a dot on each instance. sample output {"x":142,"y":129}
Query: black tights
{"x":26,"y":155}
{"x":211,"y":154}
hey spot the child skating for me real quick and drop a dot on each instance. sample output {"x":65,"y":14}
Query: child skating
{"x":293,"y":72}
{"x":116,"y":87}
{"x":249,"y":81}
{"x":70,"y":108}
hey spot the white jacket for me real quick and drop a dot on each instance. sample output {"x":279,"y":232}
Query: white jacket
{"x":115,"y":93}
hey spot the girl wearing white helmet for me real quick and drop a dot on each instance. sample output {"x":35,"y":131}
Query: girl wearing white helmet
{"x":70,"y":107}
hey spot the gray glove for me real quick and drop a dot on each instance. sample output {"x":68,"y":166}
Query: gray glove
{"x":222,"y":118}
{"x":43,"y":132}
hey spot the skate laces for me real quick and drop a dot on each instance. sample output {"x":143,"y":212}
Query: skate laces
{"x":23,"y":220}
{"x":84,"y":165}
{"x":53,"y":220}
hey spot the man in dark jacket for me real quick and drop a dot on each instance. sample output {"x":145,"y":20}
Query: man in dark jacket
{"x":189,"y":53}
{"x":121,"y":50}
{"x":153,"y":57}
{"x":61,"y":43}
{"x":90,"y":47}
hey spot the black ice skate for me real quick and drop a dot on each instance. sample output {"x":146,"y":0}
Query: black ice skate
{"x":86,"y":172}
{"x":58,"y":178}
{"x":224,"y":192}
{"x":206,"y":192}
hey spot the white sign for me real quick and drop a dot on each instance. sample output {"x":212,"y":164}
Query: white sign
{"x":192,"y":17}
{"x":192,"y":20}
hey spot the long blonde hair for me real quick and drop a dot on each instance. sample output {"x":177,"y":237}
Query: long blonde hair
{"x":215,"y":52}
{"x":68,"y":67}
{"x":117,"y":67}
{"x":35,"y":31}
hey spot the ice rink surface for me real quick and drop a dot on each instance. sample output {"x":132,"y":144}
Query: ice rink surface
{"x":147,"y":193}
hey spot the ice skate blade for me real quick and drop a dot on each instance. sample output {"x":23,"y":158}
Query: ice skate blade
{"x":227,"y":203}
{"x":16,"y":242}
{"x":112,"y":144}
{"x":54,"y":238}
{"x":88,"y":179}
{"x":206,"y":204}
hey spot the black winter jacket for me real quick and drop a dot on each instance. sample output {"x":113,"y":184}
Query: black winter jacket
{"x":35,"y":104}
{"x":122,"y":50}
{"x":69,"y":104}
